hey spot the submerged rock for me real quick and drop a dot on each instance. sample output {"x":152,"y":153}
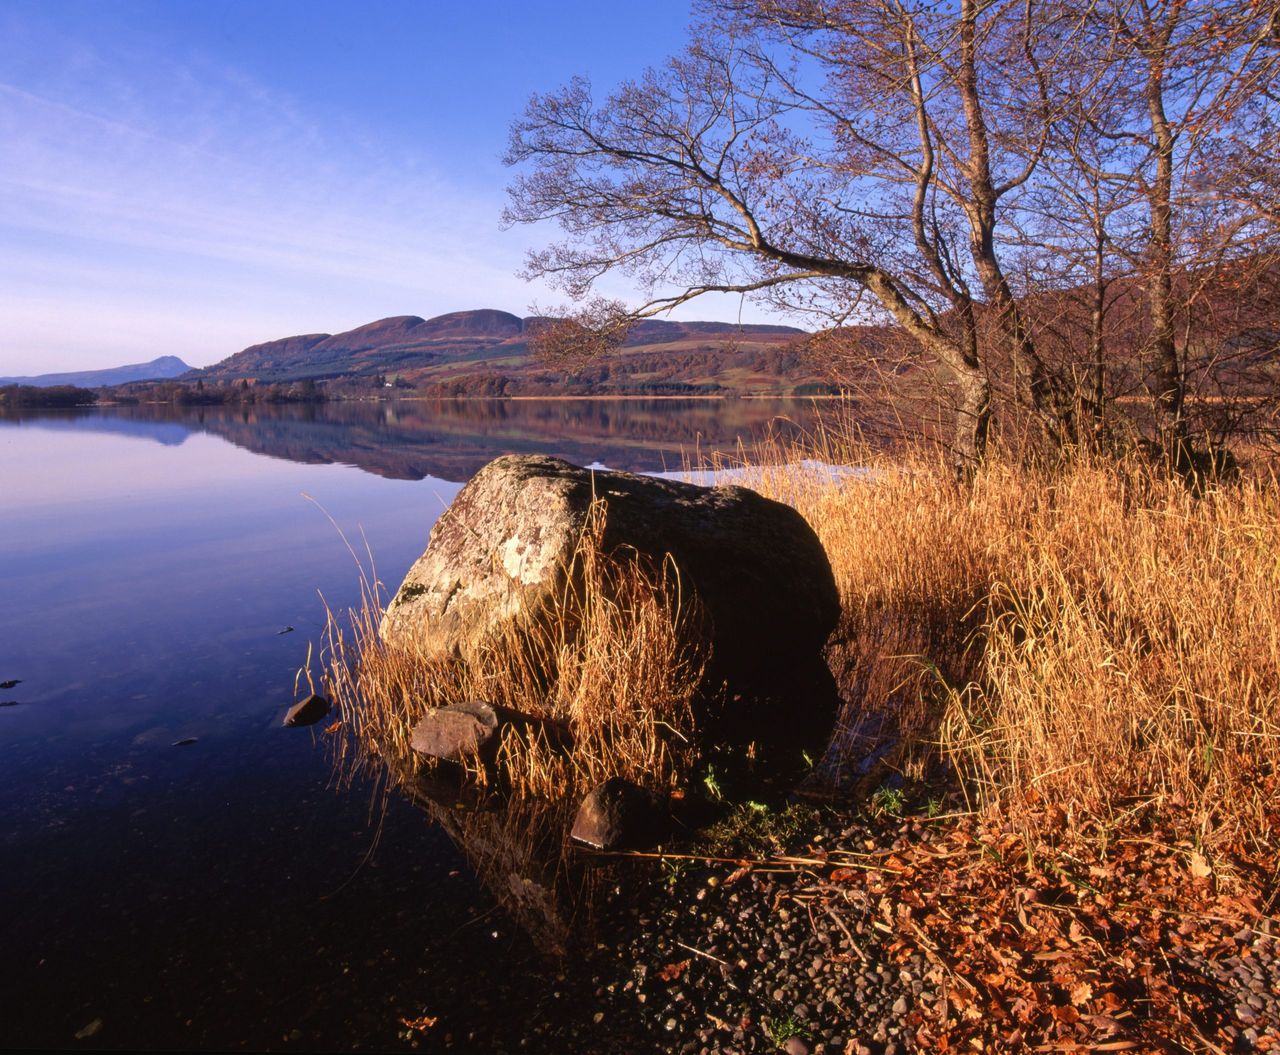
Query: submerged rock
{"x":91,"y":1030}
{"x":456,"y":732}
{"x":497,"y":561}
{"x":308,"y":712}
{"x":476,"y":728}
{"x":620,"y":815}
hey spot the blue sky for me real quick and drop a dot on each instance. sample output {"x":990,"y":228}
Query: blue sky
{"x":192,"y":176}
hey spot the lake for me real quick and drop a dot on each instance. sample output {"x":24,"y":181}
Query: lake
{"x":178,"y":870}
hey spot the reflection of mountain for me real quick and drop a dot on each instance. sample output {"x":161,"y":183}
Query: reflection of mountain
{"x":170,"y":433}
{"x":451,"y":439}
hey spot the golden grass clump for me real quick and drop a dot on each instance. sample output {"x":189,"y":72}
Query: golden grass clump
{"x":1132,"y":651}
{"x":1091,"y":636}
{"x":613,"y":664}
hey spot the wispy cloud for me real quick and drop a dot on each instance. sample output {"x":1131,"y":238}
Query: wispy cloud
{"x":231,"y":217}
{"x":156,"y":198}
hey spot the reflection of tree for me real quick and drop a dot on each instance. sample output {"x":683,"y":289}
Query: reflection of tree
{"x":452,"y":439}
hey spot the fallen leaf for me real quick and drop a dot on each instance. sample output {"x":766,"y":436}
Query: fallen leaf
{"x":423,"y":1023}
{"x":672,"y":971}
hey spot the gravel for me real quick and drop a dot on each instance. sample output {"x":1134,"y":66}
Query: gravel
{"x":713,"y":959}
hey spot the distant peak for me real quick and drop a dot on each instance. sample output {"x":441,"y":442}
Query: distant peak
{"x":390,"y":324}
{"x":482,"y":322}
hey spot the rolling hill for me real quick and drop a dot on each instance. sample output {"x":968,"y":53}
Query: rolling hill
{"x":487,"y":352}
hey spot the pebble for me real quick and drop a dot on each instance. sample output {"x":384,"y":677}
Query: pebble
{"x":751,"y":965}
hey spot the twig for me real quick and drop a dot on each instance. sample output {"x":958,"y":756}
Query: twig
{"x":706,"y":955}
{"x":755,"y":863}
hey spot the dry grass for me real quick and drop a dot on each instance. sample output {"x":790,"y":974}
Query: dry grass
{"x":1132,"y":652}
{"x":1070,"y":642}
{"x":614,"y":665}
{"x":1084,"y":638}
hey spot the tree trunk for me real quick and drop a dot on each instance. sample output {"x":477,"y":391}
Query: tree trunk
{"x":973,"y":391}
{"x":1165,"y":381}
{"x":1047,"y":402}
{"x":973,"y":421}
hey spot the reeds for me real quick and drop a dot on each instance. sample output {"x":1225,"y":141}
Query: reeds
{"x":1132,"y":652}
{"x":1088,"y":637}
{"x":613,"y":664}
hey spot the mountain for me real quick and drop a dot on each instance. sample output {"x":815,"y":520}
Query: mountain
{"x":157,"y":370}
{"x":487,"y":352}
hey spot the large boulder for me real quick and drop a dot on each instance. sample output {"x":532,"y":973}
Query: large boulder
{"x":498,"y":557}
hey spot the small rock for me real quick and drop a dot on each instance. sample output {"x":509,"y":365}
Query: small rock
{"x":795,"y":1046}
{"x":308,"y":712}
{"x":455,"y":732}
{"x":618,"y":814}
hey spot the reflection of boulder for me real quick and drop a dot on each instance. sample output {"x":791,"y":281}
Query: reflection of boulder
{"x":518,"y":849}
{"x":497,"y":559}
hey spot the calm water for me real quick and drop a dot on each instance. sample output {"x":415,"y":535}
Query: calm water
{"x":220,"y":893}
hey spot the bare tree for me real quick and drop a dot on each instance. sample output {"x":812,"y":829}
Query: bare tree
{"x":849,"y":160}
{"x":989,"y":177}
{"x":1172,"y":100}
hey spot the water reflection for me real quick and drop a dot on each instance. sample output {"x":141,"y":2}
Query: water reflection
{"x":518,"y":848}
{"x":150,"y":557}
{"x":452,"y":439}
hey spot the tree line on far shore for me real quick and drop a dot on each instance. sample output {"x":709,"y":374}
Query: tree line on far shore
{"x":51,"y":396}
